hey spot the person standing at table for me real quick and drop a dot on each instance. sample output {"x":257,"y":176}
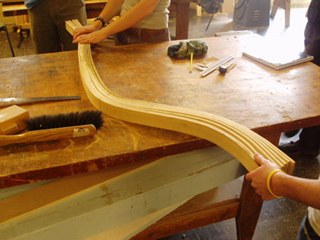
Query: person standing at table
{"x":140,"y":21}
{"x":270,"y":182}
{"x":47,"y":23}
{"x":304,"y":190}
{"x":309,"y":138}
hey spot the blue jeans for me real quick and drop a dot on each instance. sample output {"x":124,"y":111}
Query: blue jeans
{"x":306,"y":232}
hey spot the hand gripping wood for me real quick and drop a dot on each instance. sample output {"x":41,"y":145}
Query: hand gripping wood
{"x":236,"y":139}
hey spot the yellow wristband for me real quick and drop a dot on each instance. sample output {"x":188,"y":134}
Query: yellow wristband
{"x":269,"y":180}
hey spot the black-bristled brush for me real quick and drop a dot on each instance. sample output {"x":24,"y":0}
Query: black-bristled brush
{"x":65,"y":120}
{"x":57,"y":127}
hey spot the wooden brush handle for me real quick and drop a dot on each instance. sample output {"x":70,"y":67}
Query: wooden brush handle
{"x":49,"y":134}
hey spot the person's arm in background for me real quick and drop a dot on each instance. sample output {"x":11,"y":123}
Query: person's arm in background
{"x":303,"y":190}
{"x":140,"y":11}
{"x":111,"y":9}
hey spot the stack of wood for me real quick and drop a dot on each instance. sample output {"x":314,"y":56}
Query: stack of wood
{"x":236,"y":139}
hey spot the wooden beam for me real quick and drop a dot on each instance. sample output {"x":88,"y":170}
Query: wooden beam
{"x":236,"y":139}
{"x":122,"y":206}
{"x":174,"y":224}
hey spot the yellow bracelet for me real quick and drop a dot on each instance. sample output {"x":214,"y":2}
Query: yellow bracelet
{"x":269,"y":180}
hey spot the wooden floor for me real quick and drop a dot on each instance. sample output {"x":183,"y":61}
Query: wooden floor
{"x":280,"y":218}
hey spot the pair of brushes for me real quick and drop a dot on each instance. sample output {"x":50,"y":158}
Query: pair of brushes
{"x":57,"y":127}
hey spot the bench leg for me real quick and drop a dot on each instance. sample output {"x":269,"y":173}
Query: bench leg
{"x":248,"y":216}
{"x":182,"y":20}
{"x":273,"y":11}
{"x":287,"y":13}
{"x":9,"y":40}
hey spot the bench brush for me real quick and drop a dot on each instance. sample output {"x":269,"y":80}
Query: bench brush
{"x":57,"y":127}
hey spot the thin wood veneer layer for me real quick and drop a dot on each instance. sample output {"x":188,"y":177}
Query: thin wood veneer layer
{"x":236,"y":139}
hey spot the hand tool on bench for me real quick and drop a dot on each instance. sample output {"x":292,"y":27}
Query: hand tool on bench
{"x":223,"y":69}
{"x":4,"y":102}
{"x":213,"y":66}
{"x":47,"y":127}
{"x":49,"y":134}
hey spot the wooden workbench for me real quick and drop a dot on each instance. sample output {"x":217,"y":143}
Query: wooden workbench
{"x":267,"y":101}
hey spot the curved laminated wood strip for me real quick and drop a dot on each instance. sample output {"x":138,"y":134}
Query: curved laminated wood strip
{"x":236,"y":139}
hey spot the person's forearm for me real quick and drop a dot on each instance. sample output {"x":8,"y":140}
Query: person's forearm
{"x":131,"y":18}
{"x":111,"y":9}
{"x":303,"y":190}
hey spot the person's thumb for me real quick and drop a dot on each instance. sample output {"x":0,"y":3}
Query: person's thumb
{"x":259,"y":158}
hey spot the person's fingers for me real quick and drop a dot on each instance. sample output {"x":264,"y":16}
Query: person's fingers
{"x":248,"y":176}
{"x":259,"y":158}
{"x":77,"y":33}
{"x":79,"y":39}
{"x":75,"y":40}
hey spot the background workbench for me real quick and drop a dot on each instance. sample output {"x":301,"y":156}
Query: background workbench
{"x":267,"y":101}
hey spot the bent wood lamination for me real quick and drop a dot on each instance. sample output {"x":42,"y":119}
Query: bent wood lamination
{"x":236,"y":139}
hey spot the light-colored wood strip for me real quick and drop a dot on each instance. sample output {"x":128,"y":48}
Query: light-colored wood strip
{"x":240,"y":141}
{"x":215,"y":65}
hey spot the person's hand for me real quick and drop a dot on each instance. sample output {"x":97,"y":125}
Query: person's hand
{"x":93,"y":37}
{"x":259,"y":176}
{"x":84,"y":30}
